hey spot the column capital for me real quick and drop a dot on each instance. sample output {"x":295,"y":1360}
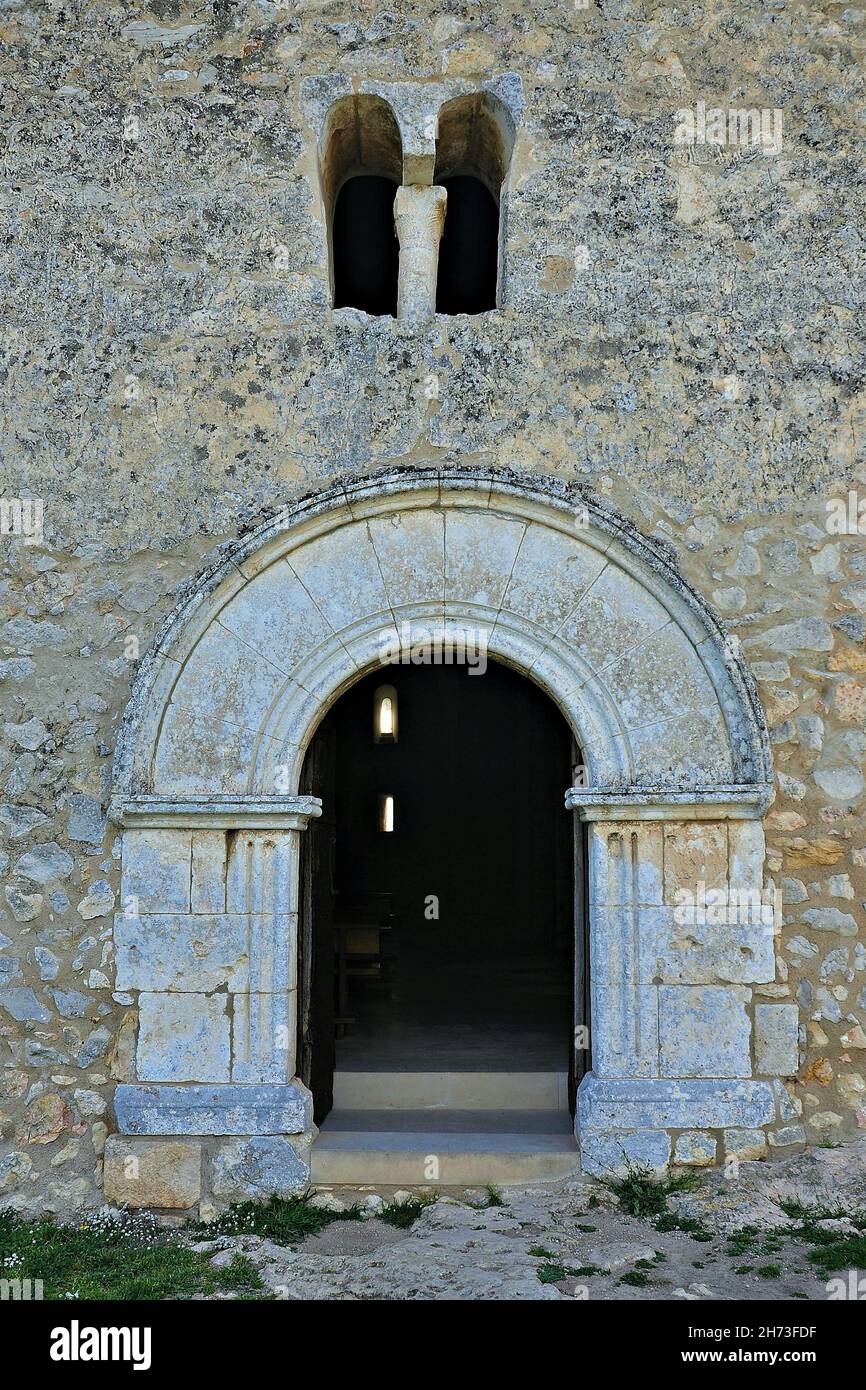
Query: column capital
{"x":214,"y":813}
{"x":736,"y":802}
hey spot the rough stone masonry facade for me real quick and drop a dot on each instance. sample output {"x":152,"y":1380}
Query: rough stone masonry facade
{"x":677,"y":336}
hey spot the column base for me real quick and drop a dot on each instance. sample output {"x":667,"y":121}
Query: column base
{"x":214,"y":1109}
{"x":623,"y":1121}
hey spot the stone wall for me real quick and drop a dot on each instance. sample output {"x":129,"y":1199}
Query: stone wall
{"x":678,"y":331}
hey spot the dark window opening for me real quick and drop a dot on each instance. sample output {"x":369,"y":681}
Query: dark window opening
{"x":365,"y":248}
{"x":469,"y":250}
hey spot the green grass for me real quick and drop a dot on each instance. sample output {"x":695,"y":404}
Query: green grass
{"x":554,"y":1273}
{"x":404,"y":1214}
{"x":831,"y":1250}
{"x":284,"y":1220}
{"x":641,"y":1192}
{"x":541,"y":1252}
{"x":769,"y":1271}
{"x":669,"y":1221}
{"x":636,"y":1277}
{"x":493,"y":1198}
{"x":845,"y":1252}
{"x":118,"y":1256}
{"x":748,"y":1240}
{"x":586,"y":1229}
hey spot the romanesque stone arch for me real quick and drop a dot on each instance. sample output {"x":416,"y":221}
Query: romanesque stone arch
{"x":207,"y":777}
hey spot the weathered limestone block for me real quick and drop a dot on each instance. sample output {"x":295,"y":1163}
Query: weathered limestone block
{"x":704,"y":1030}
{"x":151,"y":1172}
{"x":208,"y":884}
{"x":410,"y":547}
{"x":263,"y":1036}
{"x":275,"y":615}
{"x":226,"y":680}
{"x":776,"y":1042}
{"x":695,"y":854}
{"x":625,"y":863}
{"x":609,"y":1103}
{"x":606,"y":1155}
{"x":343,"y":577}
{"x":419,"y":215}
{"x":550,"y":575}
{"x":745,"y":1144}
{"x":616,"y":614}
{"x":693,"y":745}
{"x":640,"y":683}
{"x":156,"y":871}
{"x":746,"y":853}
{"x":695,"y":1148}
{"x":183,"y":1037}
{"x":480,"y":553}
{"x":625,"y":1035}
{"x":191,"y":742}
{"x":785,"y":1135}
{"x":260,"y":1167}
{"x":214,"y":1109}
{"x":687,"y":947}
{"x":183,"y":953}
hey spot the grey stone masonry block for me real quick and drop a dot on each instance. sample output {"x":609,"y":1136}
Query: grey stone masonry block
{"x":156,"y":870}
{"x":260,"y":1167}
{"x":680,"y":946}
{"x":776,"y":1044}
{"x":696,"y":1148}
{"x":625,"y":1035}
{"x":609,"y":1103}
{"x":745,"y":1144}
{"x":183,"y":1037}
{"x":704,"y":1030}
{"x":217,"y":1110}
{"x":263,"y":1037}
{"x":605,"y":1155}
{"x":183,"y":953}
{"x":625,"y":863}
{"x":208,"y":881}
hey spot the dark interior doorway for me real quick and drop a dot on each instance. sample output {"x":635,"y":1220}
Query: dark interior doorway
{"x":441,"y":885}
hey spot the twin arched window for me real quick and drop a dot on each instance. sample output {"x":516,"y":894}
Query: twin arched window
{"x":362,"y":168}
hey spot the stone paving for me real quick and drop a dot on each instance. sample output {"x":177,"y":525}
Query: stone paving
{"x":575,"y":1235}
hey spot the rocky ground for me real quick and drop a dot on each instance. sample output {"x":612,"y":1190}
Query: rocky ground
{"x":732,"y":1237}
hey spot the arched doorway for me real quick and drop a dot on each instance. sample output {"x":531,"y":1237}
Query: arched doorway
{"x":438,"y":944}
{"x":209,"y":796}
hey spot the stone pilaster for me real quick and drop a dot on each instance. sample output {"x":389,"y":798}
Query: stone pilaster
{"x":681,"y":935}
{"x":208,"y":939}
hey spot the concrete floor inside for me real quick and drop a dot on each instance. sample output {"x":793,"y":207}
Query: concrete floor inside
{"x":435,"y":1013}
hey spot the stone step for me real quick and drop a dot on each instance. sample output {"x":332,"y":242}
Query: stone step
{"x":451,"y":1090}
{"x":456,"y":1148}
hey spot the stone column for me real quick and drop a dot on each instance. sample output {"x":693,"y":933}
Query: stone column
{"x":419,"y":214}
